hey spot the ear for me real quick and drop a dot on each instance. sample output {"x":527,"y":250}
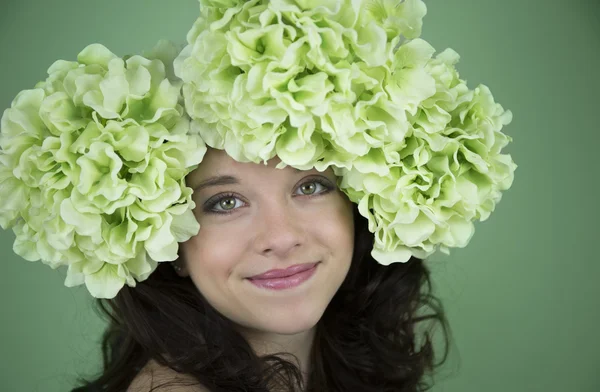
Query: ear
{"x":180,"y":268}
{"x":179,"y":264}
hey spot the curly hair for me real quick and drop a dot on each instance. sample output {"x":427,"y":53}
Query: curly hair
{"x":367,"y":339}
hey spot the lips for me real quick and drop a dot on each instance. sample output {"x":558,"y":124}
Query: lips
{"x":282,"y":273}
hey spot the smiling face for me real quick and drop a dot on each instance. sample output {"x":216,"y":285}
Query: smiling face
{"x":254,"y":218}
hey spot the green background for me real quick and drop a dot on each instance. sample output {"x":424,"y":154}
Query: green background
{"x":522,"y":298}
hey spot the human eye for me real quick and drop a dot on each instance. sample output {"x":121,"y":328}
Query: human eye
{"x":312,"y":185}
{"x":226,"y":202}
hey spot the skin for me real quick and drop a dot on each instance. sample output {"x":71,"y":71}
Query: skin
{"x":279,"y":217}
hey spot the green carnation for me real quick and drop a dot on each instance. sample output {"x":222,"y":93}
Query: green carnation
{"x":424,"y":193}
{"x":92,"y":168}
{"x":261,"y":76}
{"x":350,"y":85}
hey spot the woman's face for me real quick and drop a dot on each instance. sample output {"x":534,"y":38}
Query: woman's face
{"x":260,"y":218}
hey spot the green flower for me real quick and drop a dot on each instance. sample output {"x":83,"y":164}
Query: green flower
{"x":350,"y":85}
{"x":92,"y":168}
{"x":257,"y":87}
{"x":446,"y":173}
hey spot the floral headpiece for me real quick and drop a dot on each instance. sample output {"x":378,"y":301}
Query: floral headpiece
{"x":93,"y":160}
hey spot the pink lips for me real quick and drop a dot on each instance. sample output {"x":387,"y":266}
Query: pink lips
{"x":284,"y":279}
{"x":282,"y":273}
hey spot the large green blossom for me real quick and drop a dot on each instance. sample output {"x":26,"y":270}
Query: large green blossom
{"x":92,"y":168}
{"x":349,"y":84}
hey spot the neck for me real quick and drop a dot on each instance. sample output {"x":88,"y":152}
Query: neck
{"x":299,"y":345}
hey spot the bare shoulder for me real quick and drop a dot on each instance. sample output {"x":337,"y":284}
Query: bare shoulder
{"x":153,"y":375}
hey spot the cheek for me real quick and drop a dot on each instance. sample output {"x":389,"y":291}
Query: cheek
{"x":336,"y":226}
{"x":211,"y":255}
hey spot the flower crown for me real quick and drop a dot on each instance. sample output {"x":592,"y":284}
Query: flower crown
{"x":93,"y":160}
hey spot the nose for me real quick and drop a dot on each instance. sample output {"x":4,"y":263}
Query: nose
{"x":279,"y":230}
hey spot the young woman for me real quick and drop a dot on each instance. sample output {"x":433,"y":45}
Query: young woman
{"x":210,"y":322}
{"x":290,"y":255}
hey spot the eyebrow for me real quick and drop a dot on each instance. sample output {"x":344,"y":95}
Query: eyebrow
{"x":216,"y":181}
{"x":222,"y":180}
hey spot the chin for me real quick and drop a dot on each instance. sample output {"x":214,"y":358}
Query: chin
{"x":289,"y":325}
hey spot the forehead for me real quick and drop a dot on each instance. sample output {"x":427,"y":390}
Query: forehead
{"x":216,"y":159}
{"x":217,"y":162}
